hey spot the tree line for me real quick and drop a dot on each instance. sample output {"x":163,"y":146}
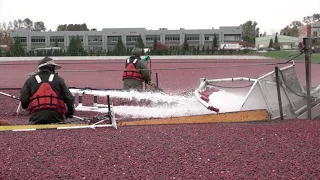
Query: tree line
{"x":250,"y":29}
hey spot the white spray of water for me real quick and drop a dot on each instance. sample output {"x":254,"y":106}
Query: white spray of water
{"x":183,"y":106}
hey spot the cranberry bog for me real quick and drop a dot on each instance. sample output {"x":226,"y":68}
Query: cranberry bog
{"x":285,"y":149}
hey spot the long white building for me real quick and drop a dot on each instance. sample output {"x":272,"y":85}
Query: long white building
{"x":107,"y":38}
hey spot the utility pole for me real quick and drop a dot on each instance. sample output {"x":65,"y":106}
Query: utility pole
{"x":307,"y":42}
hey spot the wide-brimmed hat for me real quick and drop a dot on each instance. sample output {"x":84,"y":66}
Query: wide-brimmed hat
{"x":48,"y":61}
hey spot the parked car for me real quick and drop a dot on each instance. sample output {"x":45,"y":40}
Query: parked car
{"x":270,"y":49}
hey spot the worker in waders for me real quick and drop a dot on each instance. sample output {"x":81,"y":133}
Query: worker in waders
{"x":46,"y":96}
{"x":136,"y":72}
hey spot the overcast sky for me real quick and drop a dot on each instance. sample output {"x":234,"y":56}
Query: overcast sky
{"x":271,"y":15}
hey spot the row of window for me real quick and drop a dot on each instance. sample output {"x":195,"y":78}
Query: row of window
{"x":23,"y":40}
{"x":231,"y":38}
{"x":316,"y":41}
{"x":38,"y":40}
{"x":172,"y":38}
{"x":193,"y":38}
{"x":114,"y":39}
{"x":132,"y":39}
{"x":94,"y":40}
{"x":148,"y":39}
{"x":59,"y":40}
{"x":210,"y":38}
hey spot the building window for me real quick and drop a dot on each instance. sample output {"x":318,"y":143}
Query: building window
{"x":21,"y":39}
{"x":210,"y":37}
{"x":95,"y":39}
{"x":174,"y":38}
{"x":38,"y":40}
{"x":151,"y":38}
{"x":114,"y":39}
{"x":193,"y":38}
{"x":231,"y":37}
{"x":59,"y":40}
{"x":132,"y":39}
{"x":80,"y":37}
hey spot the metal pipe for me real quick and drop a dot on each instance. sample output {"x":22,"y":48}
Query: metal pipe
{"x":276,"y":70}
{"x":307,"y":50}
{"x":95,"y":100}
{"x":9,"y":95}
{"x":157,"y":81}
{"x":232,"y":79}
{"x":3,"y":89}
{"x":79,"y":99}
{"x":108,"y":102}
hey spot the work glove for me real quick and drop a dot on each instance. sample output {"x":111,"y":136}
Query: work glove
{"x":153,"y":85}
{"x":69,"y":114}
{"x":145,"y":59}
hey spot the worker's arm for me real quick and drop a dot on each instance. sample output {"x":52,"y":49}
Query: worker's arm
{"x":144,"y":71}
{"x":68,"y":98}
{"x":25,"y":94}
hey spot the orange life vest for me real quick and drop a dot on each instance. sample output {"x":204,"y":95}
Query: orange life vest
{"x":46,"y":98}
{"x":131,"y":71}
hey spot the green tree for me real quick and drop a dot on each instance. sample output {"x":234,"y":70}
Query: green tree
{"x":276,"y":42}
{"x":249,"y":31}
{"x":56,"y":44}
{"x":8,"y":54}
{"x":215,"y":41}
{"x":185,"y":46}
{"x":0,"y":52}
{"x":292,"y":29}
{"x":203,"y":49}
{"x":170,"y":51}
{"x":75,"y":47}
{"x":155,"y":42}
{"x":208,"y":50}
{"x":140,"y":43}
{"x":17,"y":49}
{"x":270,"y":43}
{"x":39,"y":26}
{"x":128,"y":51}
{"x":72,"y":27}
{"x":120,"y":49}
{"x":72,"y":47}
{"x":312,"y":19}
{"x":198,"y":50}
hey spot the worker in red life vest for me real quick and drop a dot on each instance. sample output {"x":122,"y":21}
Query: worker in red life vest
{"x":46,"y":96}
{"x":136,"y":72}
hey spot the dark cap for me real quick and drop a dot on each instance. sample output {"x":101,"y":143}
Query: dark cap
{"x":137,"y":51}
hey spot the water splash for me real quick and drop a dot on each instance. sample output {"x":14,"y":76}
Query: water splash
{"x":183,"y":106}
